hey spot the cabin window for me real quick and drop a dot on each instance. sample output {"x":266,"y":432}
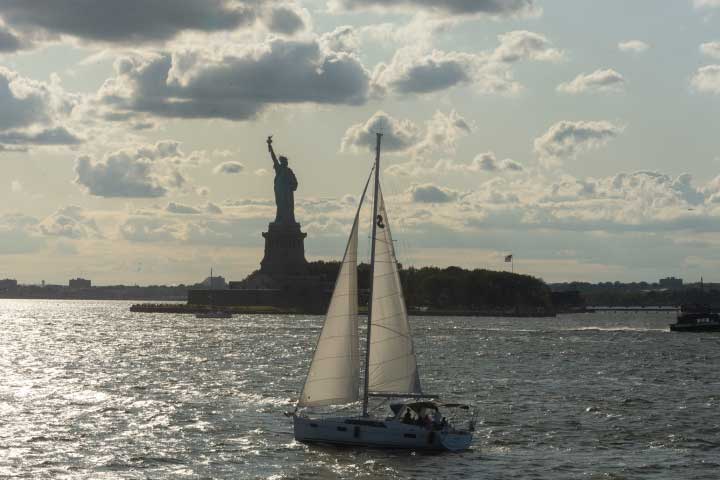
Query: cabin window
{"x":410,"y":435}
{"x":342,"y":429}
{"x":314,"y":425}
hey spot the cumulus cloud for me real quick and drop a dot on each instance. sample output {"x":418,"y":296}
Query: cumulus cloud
{"x":33,"y":112}
{"x":413,"y":70}
{"x":711,"y":49}
{"x":633,"y":46}
{"x":237,"y":83}
{"x":181,"y":209}
{"x":398,"y":135}
{"x":143,"y":21}
{"x":441,"y":134}
{"x":487,"y":162}
{"x":598,"y":81}
{"x":342,"y":39}
{"x":287,"y":19}
{"x":424,"y":74}
{"x":497,"y":8}
{"x":429,"y":193}
{"x":566,"y":139}
{"x":145,"y":171}
{"x":229,"y":168}
{"x":707,"y":79}
{"x":70,"y":222}
{"x":524,"y":45}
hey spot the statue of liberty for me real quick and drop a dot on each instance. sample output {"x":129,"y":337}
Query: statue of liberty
{"x":285,"y":185}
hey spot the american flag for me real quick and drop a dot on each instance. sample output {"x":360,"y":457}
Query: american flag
{"x":508,"y":258}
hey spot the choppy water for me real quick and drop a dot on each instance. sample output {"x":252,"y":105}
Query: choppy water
{"x":90,"y":390}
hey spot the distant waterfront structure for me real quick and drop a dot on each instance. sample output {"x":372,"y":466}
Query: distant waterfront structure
{"x":670,"y":282}
{"x":8,"y":284}
{"x":216,"y":282}
{"x":79,"y":283}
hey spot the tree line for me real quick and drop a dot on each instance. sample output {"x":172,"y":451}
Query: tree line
{"x":454,"y":288}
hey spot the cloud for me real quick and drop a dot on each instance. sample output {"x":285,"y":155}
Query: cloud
{"x":482,"y":163}
{"x":229,"y":168}
{"x":134,"y":22}
{"x":181,"y":209}
{"x":144,"y":171}
{"x":9,"y":42}
{"x":147,"y":229}
{"x":442,"y":132}
{"x":19,"y":234}
{"x":429,"y":193}
{"x":286,"y":19}
{"x":412,"y":70}
{"x":633,"y":46}
{"x":342,"y":39}
{"x":236,"y":84}
{"x":495,"y":8}
{"x":711,"y":49}
{"x":524,"y":45}
{"x":33,"y":112}
{"x":706,"y":3}
{"x":213,"y":209}
{"x":598,"y":81}
{"x":566,"y":139}
{"x":707,"y":79}
{"x":70,"y":222}
{"x":398,"y":135}
{"x":48,"y":136}
{"x":424,"y":74}
{"x":487,"y":162}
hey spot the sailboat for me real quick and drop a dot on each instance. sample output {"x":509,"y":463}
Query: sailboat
{"x":419,"y":421}
{"x":213,"y":312}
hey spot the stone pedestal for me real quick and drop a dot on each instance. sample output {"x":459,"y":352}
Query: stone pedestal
{"x":284,"y":250}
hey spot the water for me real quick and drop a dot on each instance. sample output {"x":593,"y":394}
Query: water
{"x":89,"y":390}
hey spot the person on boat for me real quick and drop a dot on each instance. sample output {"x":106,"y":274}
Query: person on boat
{"x":407,"y":418}
{"x":428,"y":421}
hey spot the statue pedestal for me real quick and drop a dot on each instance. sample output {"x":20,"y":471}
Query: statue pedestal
{"x":284,"y":250}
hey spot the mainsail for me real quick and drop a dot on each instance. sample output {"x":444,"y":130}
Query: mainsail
{"x":392,"y":364}
{"x":334,"y":376}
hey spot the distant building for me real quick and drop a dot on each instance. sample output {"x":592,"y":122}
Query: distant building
{"x":79,"y":283}
{"x":216,"y":282}
{"x":671,"y":282}
{"x":8,"y":284}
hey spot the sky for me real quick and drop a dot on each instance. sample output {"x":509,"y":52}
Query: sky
{"x":580,"y":136}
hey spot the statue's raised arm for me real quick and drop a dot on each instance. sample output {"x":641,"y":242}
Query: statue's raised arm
{"x":272,"y":152}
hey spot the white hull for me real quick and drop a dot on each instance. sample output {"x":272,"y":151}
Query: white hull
{"x":365,"y":432}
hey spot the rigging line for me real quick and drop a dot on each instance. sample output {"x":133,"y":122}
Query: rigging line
{"x":393,"y":294}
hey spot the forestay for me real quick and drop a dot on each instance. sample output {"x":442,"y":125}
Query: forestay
{"x":334,"y":376}
{"x":392,"y":365}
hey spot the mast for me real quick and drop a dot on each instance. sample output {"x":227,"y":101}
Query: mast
{"x":372,"y":274}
